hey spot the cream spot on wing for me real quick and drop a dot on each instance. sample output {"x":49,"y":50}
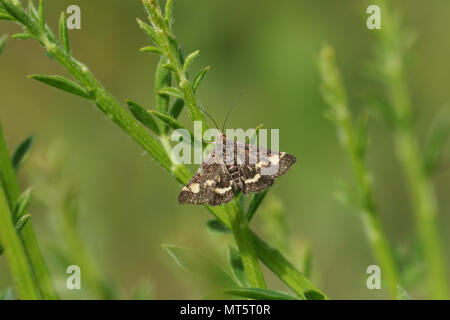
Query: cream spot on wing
{"x":209,"y":182}
{"x":274,"y":159}
{"x":254,"y":179}
{"x":185,"y":189}
{"x":222,"y":190}
{"x":260,"y":164}
{"x":195,"y":188}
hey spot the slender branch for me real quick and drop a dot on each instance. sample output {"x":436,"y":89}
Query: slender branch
{"x":421,"y":190}
{"x":335,"y":95}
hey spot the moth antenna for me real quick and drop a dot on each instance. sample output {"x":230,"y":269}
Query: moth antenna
{"x":229,"y":112}
{"x":226,"y":118}
{"x":204,"y":111}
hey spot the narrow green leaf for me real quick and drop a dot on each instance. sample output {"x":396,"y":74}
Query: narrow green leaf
{"x":163,"y":80}
{"x":199,"y":77}
{"x":313,"y":295}
{"x":199,"y":265}
{"x":170,"y":91}
{"x":171,"y":122}
{"x":236,"y":266}
{"x":402,"y":294}
{"x":253,"y":138}
{"x":437,"y":140}
{"x":32,"y":10}
{"x":260,"y":294}
{"x":362,"y":133}
{"x":22,"y":204}
{"x":19,"y":14}
{"x":256,"y":202}
{"x":241,"y":198}
{"x":217,"y":226}
{"x":169,"y":67}
{"x":168,"y":12}
{"x":41,"y":15}
{"x":143,"y":116}
{"x":21,"y":222}
{"x":151,"y":49}
{"x":3,"y":40}
{"x":1,"y":249}
{"x":22,"y":36}
{"x":176,"y":109}
{"x":307,"y":262}
{"x":189,"y":60}
{"x":71,"y":208}
{"x":5,"y":16}
{"x":149,"y":30}
{"x":22,"y":152}
{"x":15,"y":253}
{"x":63,"y":33}
{"x":34,"y":13}
{"x":63,"y":84}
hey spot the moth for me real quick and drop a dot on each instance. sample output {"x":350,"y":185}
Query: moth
{"x":232,"y":167}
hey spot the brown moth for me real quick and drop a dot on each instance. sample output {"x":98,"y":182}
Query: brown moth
{"x":234,"y":166}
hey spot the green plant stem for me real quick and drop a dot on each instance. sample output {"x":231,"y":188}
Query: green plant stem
{"x":115,"y":111}
{"x":421,"y":190}
{"x":244,"y":240}
{"x":168,"y":45}
{"x":27,"y":235}
{"x":335,"y":96}
{"x":15,"y":254}
{"x":278,"y":264}
{"x":425,"y":207}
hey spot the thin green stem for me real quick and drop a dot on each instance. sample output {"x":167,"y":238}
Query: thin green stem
{"x":335,"y":95}
{"x":244,"y":240}
{"x":420,"y":187}
{"x":15,"y":254}
{"x":27,"y":235}
{"x":169,"y":46}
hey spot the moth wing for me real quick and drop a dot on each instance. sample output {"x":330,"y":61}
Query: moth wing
{"x":209,"y":185}
{"x":261,"y":167}
{"x":253,"y":180}
{"x":222,"y":192}
{"x":269,"y":162}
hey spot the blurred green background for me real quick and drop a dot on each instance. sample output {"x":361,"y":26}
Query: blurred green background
{"x":266,"y":49}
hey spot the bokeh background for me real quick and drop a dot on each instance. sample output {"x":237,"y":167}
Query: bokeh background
{"x":265,"y":49}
